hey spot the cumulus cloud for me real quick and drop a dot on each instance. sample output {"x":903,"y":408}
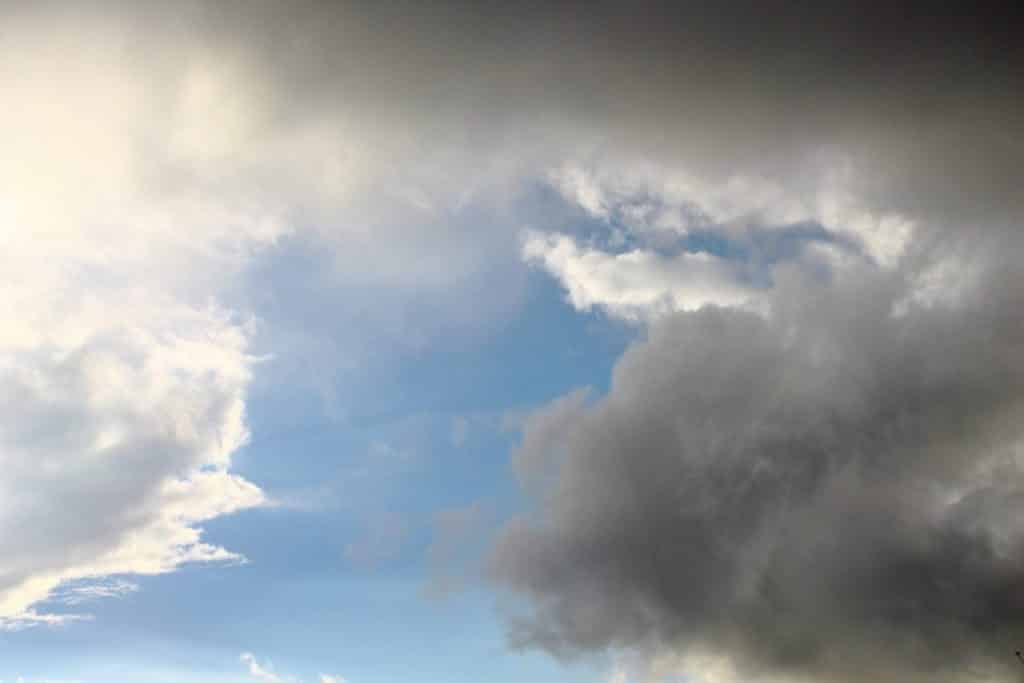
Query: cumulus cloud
{"x":124,"y":382}
{"x":118,"y":444}
{"x":150,"y":157}
{"x":828,"y":492}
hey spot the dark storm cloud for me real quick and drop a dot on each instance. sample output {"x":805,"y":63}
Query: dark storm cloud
{"x":832,"y":492}
{"x":922,"y":99}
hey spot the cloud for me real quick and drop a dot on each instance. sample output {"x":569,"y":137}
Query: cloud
{"x":123,"y":380}
{"x":139,"y":187}
{"x":828,"y":492}
{"x":153,"y":154}
{"x":263,"y":672}
{"x":639,"y":283}
{"x":660,"y":202}
{"x":259,"y":671}
{"x":71,"y":594}
{"x":118,"y":446}
{"x":665,"y":240}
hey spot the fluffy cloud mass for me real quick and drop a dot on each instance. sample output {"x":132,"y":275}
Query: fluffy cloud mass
{"x":151,"y":157}
{"x":123,"y":382}
{"x":828,"y":491}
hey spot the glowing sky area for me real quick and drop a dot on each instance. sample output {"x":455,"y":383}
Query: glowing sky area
{"x":449,"y":342}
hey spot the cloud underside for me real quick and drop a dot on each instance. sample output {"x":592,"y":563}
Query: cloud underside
{"x":821,"y":486}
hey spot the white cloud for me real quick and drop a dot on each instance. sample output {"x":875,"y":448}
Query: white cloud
{"x":76,"y":594}
{"x":648,"y":198}
{"x":644,"y":206}
{"x":122,"y":381}
{"x":135,"y":187}
{"x":259,"y":671}
{"x":264,"y":672}
{"x":118,"y":447}
{"x":640,"y":283}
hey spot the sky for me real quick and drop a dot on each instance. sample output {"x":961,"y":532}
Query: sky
{"x":380,"y":342}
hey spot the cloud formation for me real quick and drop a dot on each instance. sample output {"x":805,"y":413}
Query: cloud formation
{"x":829,"y":492}
{"x":639,"y":283}
{"x":822,"y":490}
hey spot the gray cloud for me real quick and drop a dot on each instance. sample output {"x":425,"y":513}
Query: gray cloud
{"x":921,"y":100}
{"x":833,"y":492}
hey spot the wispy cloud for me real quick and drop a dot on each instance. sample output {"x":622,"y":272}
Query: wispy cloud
{"x":265,"y":673}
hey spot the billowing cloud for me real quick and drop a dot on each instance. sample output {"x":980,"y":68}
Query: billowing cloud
{"x":123,"y":382}
{"x":829,"y":492}
{"x":149,"y":159}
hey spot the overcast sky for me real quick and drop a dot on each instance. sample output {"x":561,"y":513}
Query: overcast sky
{"x":462,"y":341}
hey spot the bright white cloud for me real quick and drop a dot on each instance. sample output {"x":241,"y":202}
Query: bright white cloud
{"x":135,"y":186}
{"x":122,"y":380}
{"x":637,"y":284}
